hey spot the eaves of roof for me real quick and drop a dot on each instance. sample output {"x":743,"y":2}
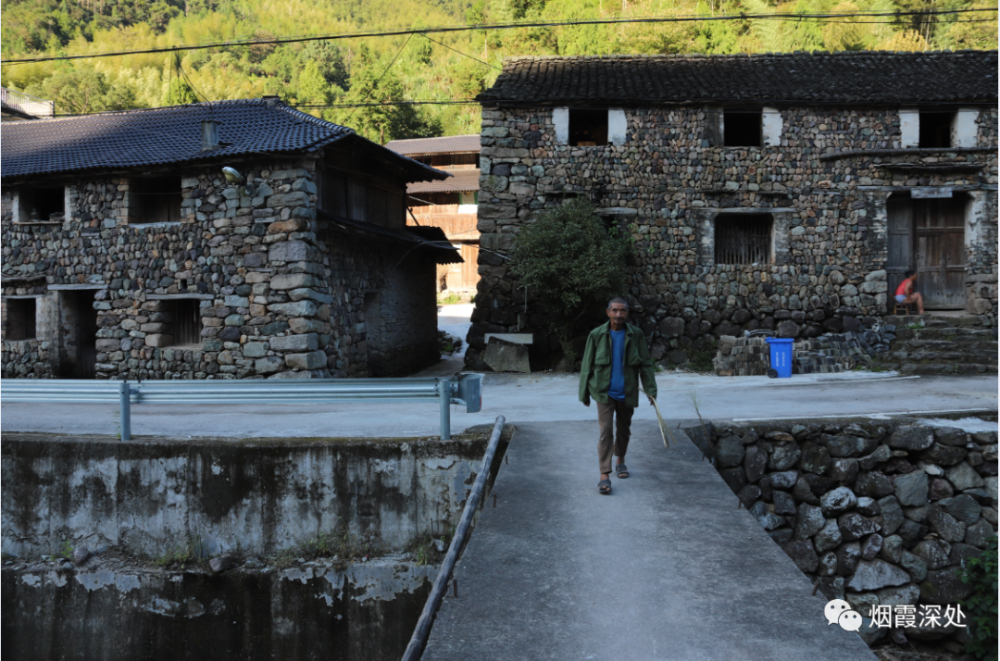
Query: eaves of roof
{"x":438,"y":248}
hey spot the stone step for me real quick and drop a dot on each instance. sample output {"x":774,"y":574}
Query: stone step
{"x":956,"y":344}
{"x":950,"y":332}
{"x":935,"y":321}
{"x":924,"y":356}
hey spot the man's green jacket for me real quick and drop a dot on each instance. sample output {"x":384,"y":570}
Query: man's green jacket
{"x":595,"y":373}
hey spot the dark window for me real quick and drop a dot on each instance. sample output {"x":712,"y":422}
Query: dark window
{"x":40,"y":204}
{"x":378,"y":206}
{"x":357,"y":200}
{"x":588,"y":128}
{"x":935,"y":128}
{"x":333,"y":194}
{"x":154,"y":200}
{"x":743,"y":238}
{"x":742,"y":128}
{"x":396,"y":217}
{"x":20,"y":318}
{"x":445,"y":160}
{"x":185,"y":320}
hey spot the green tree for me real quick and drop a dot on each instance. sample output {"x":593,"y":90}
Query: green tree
{"x":379,"y":116}
{"x":179,"y":93}
{"x":571,"y":265}
{"x":83,"y":90}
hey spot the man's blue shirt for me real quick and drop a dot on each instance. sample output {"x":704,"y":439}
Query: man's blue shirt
{"x":617,"y":387}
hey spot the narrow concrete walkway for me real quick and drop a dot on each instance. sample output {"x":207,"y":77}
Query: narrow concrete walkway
{"x":667,"y":567}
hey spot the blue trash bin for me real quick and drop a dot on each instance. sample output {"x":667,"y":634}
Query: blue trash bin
{"x":781,"y":356}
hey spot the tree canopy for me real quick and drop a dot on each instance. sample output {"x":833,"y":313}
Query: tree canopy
{"x":438,"y":67}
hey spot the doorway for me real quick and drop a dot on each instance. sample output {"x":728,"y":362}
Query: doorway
{"x":78,"y":356}
{"x":928,"y":236}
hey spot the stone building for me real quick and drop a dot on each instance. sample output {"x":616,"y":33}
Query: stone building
{"x":128,"y":252}
{"x":450,"y":204}
{"x":783,"y":192}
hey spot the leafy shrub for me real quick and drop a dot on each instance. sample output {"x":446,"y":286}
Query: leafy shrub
{"x":981,"y":606}
{"x":571,"y":264}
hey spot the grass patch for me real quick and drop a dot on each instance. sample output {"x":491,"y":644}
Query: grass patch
{"x":342,"y":546}
{"x":181,"y":556}
{"x":451,"y":298}
{"x":700,"y":360}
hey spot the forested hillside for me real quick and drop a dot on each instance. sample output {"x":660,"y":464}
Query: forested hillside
{"x":316,"y":75}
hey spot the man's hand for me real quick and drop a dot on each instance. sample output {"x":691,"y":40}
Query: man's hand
{"x":650,"y":401}
{"x":587,"y":403}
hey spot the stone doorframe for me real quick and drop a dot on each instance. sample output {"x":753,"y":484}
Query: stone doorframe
{"x":705,"y":222}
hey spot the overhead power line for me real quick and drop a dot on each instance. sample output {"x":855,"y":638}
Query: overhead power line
{"x":826,"y":17}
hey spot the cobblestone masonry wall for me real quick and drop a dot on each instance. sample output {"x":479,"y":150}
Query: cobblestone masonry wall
{"x":668,"y":184}
{"x":275,"y":299}
{"x":875,"y":513}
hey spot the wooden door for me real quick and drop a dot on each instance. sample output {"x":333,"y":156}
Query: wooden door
{"x":939,"y":230}
{"x":900,"y":241}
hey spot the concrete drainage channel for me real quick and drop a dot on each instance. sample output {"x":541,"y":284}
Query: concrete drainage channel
{"x":878,"y":511}
{"x":163,"y":549}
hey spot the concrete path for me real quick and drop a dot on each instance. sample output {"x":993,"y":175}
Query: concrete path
{"x":667,"y":567}
{"x":527,"y":398}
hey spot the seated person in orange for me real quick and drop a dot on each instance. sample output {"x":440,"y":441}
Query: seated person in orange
{"x":906,"y":294}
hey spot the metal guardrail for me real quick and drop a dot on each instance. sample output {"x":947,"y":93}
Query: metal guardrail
{"x":415,"y":649}
{"x":463,"y":389}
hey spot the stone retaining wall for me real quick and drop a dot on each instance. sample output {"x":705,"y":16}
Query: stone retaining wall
{"x":875,"y":512}
{"x":667,"y":184}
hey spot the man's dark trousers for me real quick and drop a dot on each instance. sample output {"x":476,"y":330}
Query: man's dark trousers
{"x":611,"y":443}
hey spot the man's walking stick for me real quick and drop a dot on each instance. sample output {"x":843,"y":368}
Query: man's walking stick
{"x":664,"y":428}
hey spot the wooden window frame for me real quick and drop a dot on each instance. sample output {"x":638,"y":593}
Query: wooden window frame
{"x":744,"y":239}
{"x":185,"y":321}
{"x":155,"y":200}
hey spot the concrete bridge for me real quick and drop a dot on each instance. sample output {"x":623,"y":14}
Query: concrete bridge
{"x":667,"y":567}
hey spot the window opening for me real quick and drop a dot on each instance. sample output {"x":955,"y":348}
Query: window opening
{"x":41,"y":204}
{"x":333,"y":194}
{"x":185,"y":314}
{"x":588,"y":128}
{"x":357,"y":200}
{"x":744,"y":238}
{"x":154,"y":200}
{"x":935,"y":128}
{"x":21,"y":318}
{"x":742,"y":128}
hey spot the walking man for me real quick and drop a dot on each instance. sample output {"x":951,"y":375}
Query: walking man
{"x":613,"y":362}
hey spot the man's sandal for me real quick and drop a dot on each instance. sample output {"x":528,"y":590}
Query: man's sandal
{"x":621,"y":471}
{"x":604,"y":487}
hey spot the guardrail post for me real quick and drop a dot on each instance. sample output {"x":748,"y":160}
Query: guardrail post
{"x":444,"y":393}
{"x":125,"y":400}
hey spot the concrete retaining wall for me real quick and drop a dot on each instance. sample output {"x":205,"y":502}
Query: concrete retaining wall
{"x":253,"y":497}
{"x":118,"y":612}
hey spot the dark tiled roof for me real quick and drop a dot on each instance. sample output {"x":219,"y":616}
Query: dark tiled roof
{"x":452,"y":144}
{"x":461,"y":181}
{"x":161,"y":136}
{"x":858,"y":77}
{"x":429,"y":240}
